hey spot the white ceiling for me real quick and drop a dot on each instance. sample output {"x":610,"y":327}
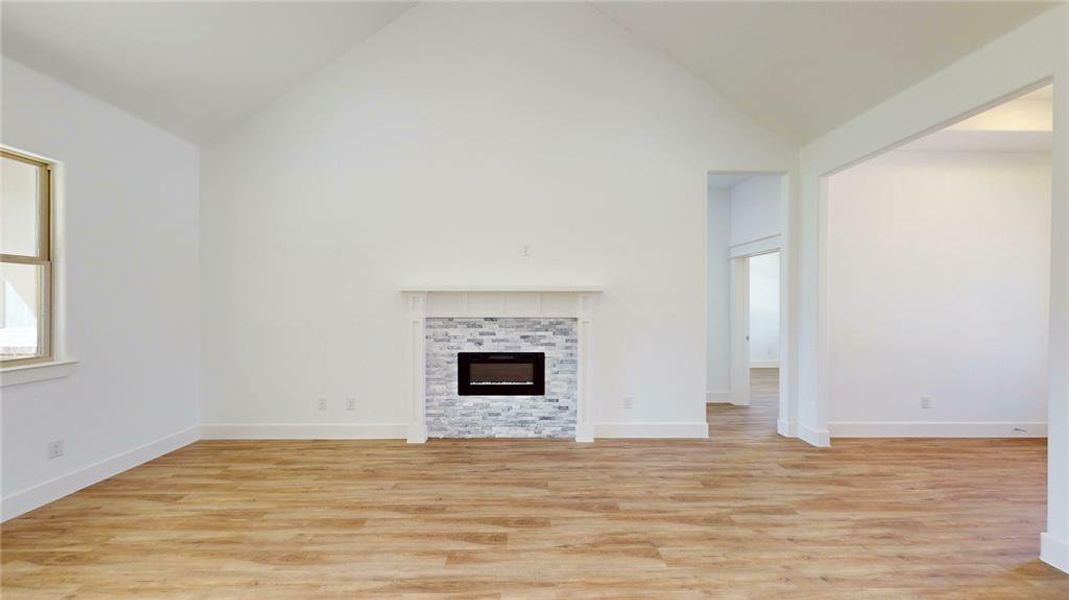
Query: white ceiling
{"x":803,"y":68}
{"x":197,"y":68}
{"x":194,"y":68}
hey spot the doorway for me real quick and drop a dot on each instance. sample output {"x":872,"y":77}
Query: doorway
{"x":747,"y":268}
{"x":755,"y":332}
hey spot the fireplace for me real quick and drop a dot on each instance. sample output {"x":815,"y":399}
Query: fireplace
{"x":501,"y":373}
{"x":445,"y":325}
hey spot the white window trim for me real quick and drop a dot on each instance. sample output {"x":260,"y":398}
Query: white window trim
{"x":20,"y":374}
{"x":62,"y":363}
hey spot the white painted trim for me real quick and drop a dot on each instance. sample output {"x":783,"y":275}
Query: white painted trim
{"x":28,"y":499}
{"x":305,"y":431}
{"x":740,"y":331}
{"x":585,"y":303}
{"x":695,"y":430}
{"x":36,"y":372}
{"x":487,"y":303}
{"x":584,"y":433}
{"x":533,"y":289}
{"x":416,"y":433}
{"x":814,"y":437}
{"x":765,"y":245}
{"x":788,"y":335}
{"x":399,"y":431}
{"x":764,"y":364}
{"x":719,"y":397}
{"x":787,"y":428}
{"x":61,"y":364}
{"x":823,"y":357}
{"x":1054,"y":551}
{"x":936,"y":429}
{"x":415,"y":365}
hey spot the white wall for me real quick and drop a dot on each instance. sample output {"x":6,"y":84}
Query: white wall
{"x":128,"y":238}
{"x":718,"y":358}
{"x":938,"y":286}
{"x":430,"y":154}
{"x":764,"y":310}
{"x":755,"y":208}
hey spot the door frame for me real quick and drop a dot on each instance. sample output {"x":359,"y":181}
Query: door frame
{"x":740,"y":256}
{"x":785,"y":243}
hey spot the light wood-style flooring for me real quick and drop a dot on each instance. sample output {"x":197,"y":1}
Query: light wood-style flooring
{"x":745,"y":514}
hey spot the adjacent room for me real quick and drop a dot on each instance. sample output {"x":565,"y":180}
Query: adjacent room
{"x":572,"y":299}
{"x":939,"y":281}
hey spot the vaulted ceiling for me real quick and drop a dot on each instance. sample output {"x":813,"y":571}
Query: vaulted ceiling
{"x":798,"y":68}
{"x":194,"y":68}
{"x":803,"y":68}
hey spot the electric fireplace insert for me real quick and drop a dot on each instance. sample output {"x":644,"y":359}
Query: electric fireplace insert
{"x":501,"y":373}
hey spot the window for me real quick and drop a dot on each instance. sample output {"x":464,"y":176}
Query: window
{"x":26,"y":253}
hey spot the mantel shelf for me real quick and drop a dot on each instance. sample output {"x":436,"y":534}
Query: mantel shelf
{"x":545,"y":289}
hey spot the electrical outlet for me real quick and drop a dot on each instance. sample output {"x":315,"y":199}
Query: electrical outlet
{"x":525,"y":251}
{"x":629,"y":402}
{"x":926,"y":402}
{"x":350,"y":404}
{"x":322,"y":404}
{"x":55,"y":449}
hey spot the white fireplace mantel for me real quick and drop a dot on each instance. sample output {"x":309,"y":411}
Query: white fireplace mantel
{"x":508,"y":289}
{"x":579,"y":302}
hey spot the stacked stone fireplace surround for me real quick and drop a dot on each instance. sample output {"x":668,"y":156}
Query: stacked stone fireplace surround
{"x":441,"y":322}
{"x":450,"y":415}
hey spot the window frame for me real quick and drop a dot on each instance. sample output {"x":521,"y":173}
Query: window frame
{"x":43,"y":258}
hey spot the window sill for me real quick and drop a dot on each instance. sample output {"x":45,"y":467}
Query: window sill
{"x":36,"y":372}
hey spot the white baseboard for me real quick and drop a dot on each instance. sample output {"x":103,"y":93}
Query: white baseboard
{"x":416,"y":433}
{"x":305,"y":431}
{"x":390,"y":431}
{"x":721,"y":397}
{"x":787,"y":428}
{"x":814,"y":437}
{"x":28,"y":499}
{"x":937,"y":429}
{"x":1054,"y":552}
{"x":764,"y":364}
{"x":651,"y":430}
{"x":584,"y":433}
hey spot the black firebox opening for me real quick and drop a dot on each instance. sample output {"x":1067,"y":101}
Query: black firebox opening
{"x":501,"y":373}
